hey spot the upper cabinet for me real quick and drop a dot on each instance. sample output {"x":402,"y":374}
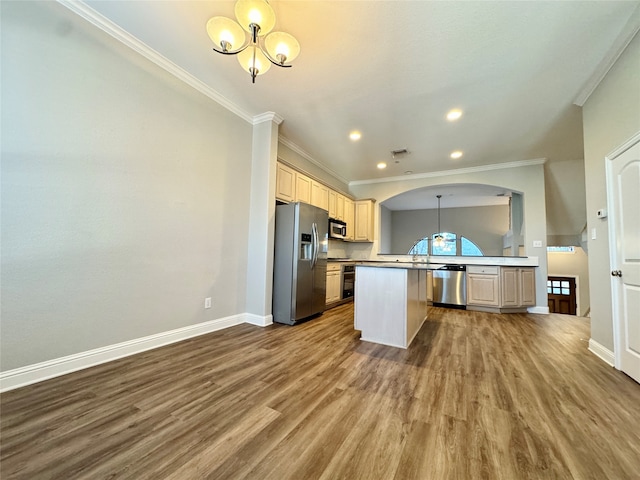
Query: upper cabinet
{"x":285,"y":183}
{"x":303,"y":188}
{"x":349,"y":218}
{"x":363,"y":231}
{"x":319,"y":195}
{"x":293,"y":186}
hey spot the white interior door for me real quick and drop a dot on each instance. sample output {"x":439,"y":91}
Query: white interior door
{"x":623,"y":170}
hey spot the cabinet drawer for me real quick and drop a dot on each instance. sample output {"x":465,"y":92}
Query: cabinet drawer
{"x":483,"y":269}
{"x":333,"y":267}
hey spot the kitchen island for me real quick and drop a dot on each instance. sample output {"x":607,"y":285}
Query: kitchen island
{"x":390,"y":302}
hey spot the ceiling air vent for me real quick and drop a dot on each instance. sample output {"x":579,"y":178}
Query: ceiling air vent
{"x":397,"y":153}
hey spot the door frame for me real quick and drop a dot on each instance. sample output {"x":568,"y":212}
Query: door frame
{"x":613,"y":251}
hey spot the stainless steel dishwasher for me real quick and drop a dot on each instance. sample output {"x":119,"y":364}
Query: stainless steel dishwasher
{"x":450,"y":286}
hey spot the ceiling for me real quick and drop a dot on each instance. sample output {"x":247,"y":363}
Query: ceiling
{"x":393,"y":69}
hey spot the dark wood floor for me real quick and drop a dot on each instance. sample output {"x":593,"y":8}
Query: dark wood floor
{"x":477,"y":395}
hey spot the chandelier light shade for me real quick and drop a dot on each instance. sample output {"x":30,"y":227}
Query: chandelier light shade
{"x":262,"y":48}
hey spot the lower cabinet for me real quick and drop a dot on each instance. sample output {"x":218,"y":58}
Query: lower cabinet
{"x":333,"y":283}
{"x":500,"y":288}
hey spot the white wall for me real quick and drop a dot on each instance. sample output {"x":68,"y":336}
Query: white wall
{"x":610,"y":117}
{"x":527,"y":178}
{"x":125,"y":193}
{"x":573,"y":265}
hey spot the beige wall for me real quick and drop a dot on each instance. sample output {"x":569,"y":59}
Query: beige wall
{"x":125,"y":193}
{"x":573,"y":265}
{"x":611,"y":116}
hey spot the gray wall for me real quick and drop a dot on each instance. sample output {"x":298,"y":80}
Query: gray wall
{"x":484,"y":226}
{"x":125,"y":193}
{"x":302,"y":163}
{"x":611,"y":117}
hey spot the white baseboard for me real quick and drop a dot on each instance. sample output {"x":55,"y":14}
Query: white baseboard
{"x":603,"y":353}
{"x":540,"y":310}
{"x":38,"y":372}
{"x":259,"y":320}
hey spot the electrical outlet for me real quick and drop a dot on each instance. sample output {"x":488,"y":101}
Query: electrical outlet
{"x":594,"y":234}
{"x":207,"y":302}
{"x":537,"y":243}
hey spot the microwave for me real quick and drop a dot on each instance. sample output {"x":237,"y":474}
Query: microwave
{"x":337,"y":229}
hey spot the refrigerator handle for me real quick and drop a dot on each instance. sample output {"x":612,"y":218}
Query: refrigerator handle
{"x":314,"y":229}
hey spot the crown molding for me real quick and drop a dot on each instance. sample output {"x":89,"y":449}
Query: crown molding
{"x":83,"y":10}
{"x":267,"y":117}
{"x":289,"y":144}
{"x":629,"y":31}
{"x":458,"y":171}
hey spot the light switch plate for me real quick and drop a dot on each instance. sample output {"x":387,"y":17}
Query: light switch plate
{"x":593,"y":234}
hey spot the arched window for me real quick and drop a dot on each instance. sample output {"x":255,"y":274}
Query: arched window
{"x":451,"y":244}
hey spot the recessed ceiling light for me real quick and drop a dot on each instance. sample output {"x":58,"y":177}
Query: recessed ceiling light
{"x":381,"y":165}
{"x":456,"y":154}
{"x":454,"y":115}
{"x":408,"y":172}
{"x":355,"y":135}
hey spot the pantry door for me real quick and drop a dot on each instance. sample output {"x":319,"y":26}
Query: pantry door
{"x":623,"y":179}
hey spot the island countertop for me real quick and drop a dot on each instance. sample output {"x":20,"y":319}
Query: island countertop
{"x":435,"y":262}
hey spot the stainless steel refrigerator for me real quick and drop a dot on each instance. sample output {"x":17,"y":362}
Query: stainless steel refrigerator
{"x":300,"y":262}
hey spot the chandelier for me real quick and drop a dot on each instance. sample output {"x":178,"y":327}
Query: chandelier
{"x":261,"y":49}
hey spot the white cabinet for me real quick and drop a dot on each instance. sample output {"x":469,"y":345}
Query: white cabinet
{"x":363,"y":231}
{"x":285,"y":183}
{"x":349,"y":218}
{"x":333,"y":283}
{"x":500,"y":289}
{"x":390,"y":304}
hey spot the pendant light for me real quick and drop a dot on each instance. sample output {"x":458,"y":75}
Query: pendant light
{"x":438,"y":240}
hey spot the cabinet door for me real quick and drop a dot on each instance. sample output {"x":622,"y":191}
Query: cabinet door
{"x":527,"y":287}
{"x":333,"y":287}
{"x":483,"y":290}
{"x":303,"y":189}
{"x":319,"y":195}
{"x":429,"y":285}
{"x":349,"y":216}
{"x":340,"y":207}
{"x":285,"y":183}
{"x":364,"y":221}
{"x":510,"y":287}
{"x":333,"y":204}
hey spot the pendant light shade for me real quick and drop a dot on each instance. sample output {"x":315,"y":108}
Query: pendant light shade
{"x":282,"y":46}
{"x":254,"y":61}
{"x":255,"y":12}
{"x":226,"y":34}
